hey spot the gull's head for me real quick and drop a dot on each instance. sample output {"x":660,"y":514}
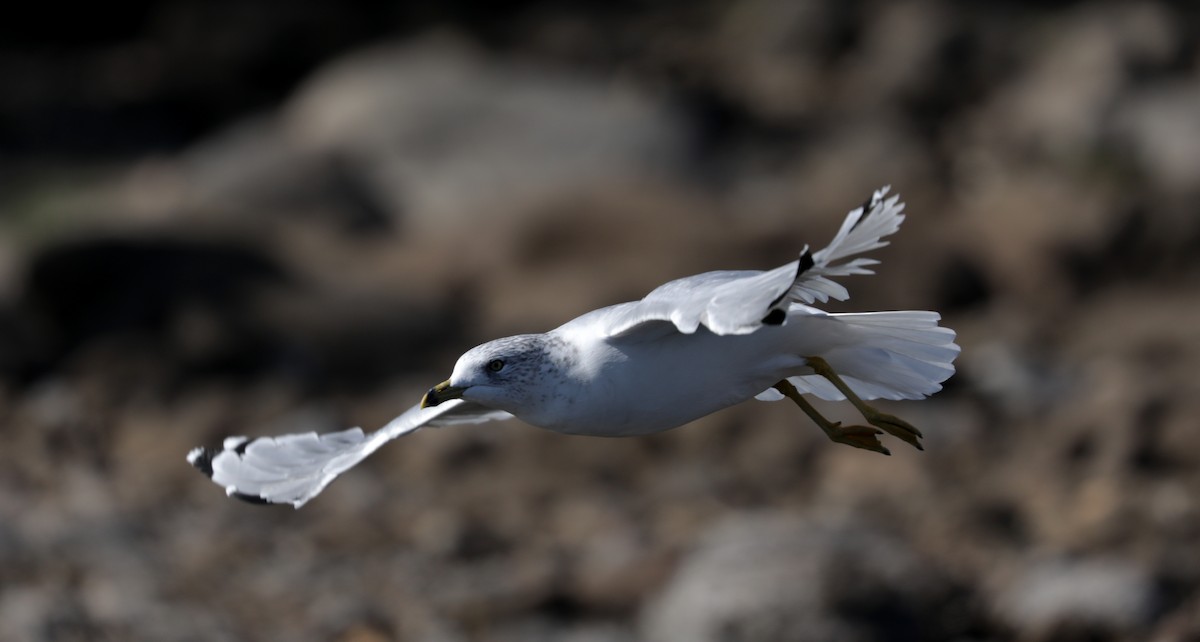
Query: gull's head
{"x":507,"y":374}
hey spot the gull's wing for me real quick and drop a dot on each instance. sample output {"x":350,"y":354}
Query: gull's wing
{"x":740,"y":302}
{"x":292,"y":469}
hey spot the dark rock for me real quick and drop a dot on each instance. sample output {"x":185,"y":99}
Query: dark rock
{"x":778,"y":577}
{"x":86,"y":290}
{"x":1109,"y":598}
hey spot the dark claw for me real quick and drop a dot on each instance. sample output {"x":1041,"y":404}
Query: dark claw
{"x":860,"y":437}
{"x":898,"y":428}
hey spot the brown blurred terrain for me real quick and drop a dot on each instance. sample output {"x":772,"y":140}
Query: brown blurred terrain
{"x":238,"y":219}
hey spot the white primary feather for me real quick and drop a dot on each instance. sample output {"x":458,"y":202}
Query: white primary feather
{"x":863,"y":230}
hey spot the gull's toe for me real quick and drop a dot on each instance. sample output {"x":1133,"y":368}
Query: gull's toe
{"x":864,"y":437}
{"x":897,"y":427}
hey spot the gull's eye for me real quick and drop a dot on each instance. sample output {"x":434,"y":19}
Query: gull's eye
{"x":495,"y":365}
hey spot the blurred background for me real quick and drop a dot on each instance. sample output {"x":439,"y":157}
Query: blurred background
{"x":255,"y":218}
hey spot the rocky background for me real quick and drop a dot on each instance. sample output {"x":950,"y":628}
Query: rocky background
{"x":239,"y":218}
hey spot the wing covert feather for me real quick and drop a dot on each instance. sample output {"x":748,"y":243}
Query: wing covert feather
{"x":741,"y":301}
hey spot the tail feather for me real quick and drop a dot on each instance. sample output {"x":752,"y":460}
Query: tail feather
{"x":887,"y":355}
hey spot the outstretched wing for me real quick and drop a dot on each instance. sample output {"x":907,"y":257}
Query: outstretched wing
{"x":863,"y":230}
{"x":292,"y":469}
{"x":740,"y":302}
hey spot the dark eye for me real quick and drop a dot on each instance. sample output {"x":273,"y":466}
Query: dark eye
{"x":495,"y":365}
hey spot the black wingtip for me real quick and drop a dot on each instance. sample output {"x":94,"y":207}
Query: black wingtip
{"x":252,"y":499}
{"x":875,"y":199}
{"x":202,"y":458}
{"x":806,"y":262}
{"x":867,"y":206}
{"x":803,"y":265}
{"x":775,"y":317}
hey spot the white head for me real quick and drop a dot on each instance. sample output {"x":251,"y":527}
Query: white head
{"x":517,"y":374}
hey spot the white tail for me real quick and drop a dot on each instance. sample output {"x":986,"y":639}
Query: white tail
{"x":886,"y":355}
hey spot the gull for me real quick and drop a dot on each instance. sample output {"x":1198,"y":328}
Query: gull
{"x":691,"y":347}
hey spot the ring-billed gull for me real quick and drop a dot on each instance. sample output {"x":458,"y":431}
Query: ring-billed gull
{"x":689,"y":348}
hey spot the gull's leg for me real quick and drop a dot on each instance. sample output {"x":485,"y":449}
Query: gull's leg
{"x":892,"y":424}
{"x":858,"y":436}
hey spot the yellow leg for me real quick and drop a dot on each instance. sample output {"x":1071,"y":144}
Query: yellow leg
{"x":858,"y":436}
{"x":893,"y":425}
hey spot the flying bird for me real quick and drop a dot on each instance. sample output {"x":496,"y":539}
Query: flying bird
{"x":691,"y":347}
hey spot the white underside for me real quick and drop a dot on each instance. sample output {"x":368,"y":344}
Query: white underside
{"x":644,"y":387}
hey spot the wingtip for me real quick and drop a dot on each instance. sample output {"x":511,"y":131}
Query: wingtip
{"x":202,"y":458}
{"x":257,"y":500}
{"x":871,"y":204}
{"x":806,"y":262}
{"x":251,"y":499}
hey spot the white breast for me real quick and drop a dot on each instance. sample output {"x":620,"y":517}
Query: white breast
{"x":625,"y":388}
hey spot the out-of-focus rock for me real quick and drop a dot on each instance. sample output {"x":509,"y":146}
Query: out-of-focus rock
{"x":427,"y":135}
{"x":855,"y":160}
{"x":251,"y":175}
{"x":1036,"y":216}
{"x":1077,"y":66}
{"x":1183,"y":625}
{"x":446,"y":136}
{"x":768,"y":47}
{"x":549,"y":630}
{"x":1013,"y":379}
{"x":170,"y":290}
{"x":1162,"y":126}
{"x":777,"y":577}
{"x":1108,"y":597}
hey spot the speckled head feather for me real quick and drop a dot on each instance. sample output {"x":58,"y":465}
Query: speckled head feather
{"x":513,"y":373}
